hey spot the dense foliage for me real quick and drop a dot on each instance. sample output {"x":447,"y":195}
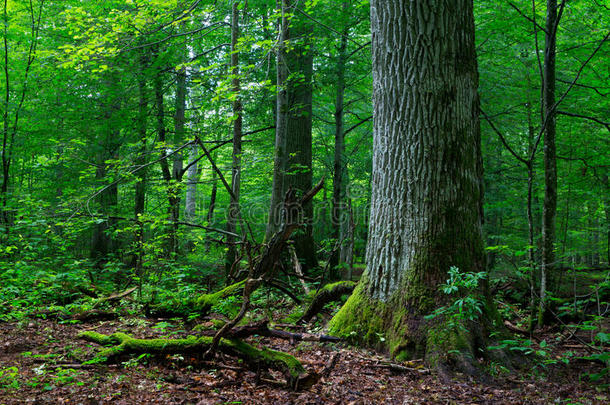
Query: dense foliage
{"x":104,"y":187}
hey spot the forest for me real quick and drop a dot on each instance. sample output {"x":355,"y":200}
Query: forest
{"x":305,"y":201}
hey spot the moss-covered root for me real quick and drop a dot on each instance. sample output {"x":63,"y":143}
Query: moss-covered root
{"x":121,"y":344}
{"x":200,"y":305}
{"x":328,"y":293}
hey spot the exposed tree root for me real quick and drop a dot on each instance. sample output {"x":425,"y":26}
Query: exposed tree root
{"x":122,"y":344}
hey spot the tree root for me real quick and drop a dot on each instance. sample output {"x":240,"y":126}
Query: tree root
{"x":121,"y":344}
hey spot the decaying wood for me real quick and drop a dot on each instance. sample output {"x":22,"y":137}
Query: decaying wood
{"x":114,"y":297}
{"x":121,"y":344}
{"x":264,"y":268}
{"x":516,"y":329}
{"x":83,"y":316}
{"x":400,"y":368}
{"x":262,"y":329}
{"x":297,"y":268}
{"x":328,"y":293}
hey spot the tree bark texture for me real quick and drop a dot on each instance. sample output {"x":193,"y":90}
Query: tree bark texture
{"x":427,"y":185}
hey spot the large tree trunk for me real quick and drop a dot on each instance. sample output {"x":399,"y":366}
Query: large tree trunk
{"x":548,"y":278}
{"x":293,"y":162}
{"x":237,"y":135}
{"x":427,"y":186}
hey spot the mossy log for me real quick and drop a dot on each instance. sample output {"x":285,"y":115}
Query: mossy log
{"x":122,"y":344}
{"x":328,"y":293}
{"x":199,"y":305}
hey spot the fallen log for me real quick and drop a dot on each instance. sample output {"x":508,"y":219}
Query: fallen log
{"x":328,"y":293}
{"x":114,"y":297}
{"x":121,"y":344}
{"x":200,"y":305}
{"x":262,"y":329}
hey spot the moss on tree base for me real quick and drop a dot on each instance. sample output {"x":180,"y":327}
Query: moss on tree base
{"x":122,"y":344}
{"x":401,"y":329}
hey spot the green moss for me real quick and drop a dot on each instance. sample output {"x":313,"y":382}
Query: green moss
{"x":299,"y":311}
{"x":443,"y":344}
{"x":271,"y":358}
{"x":329,"y":287}
{"x":125,"y":344}
{"x":96,"y":337}
{"x":206,"y":301}
{"x":359,"y":319}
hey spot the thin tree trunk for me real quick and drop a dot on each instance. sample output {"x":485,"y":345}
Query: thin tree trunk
{"x":280,"y":162}
{"x":548,"y":277}
{"x":339,"y":216}
{"x":190,"y":208}
{"x":165,"y":168}
{"x":531,"y":173}
{"x":293,"y":168}
{"x":237,"y":135}
{"x":606,"y":201}
{"x":141,"y":174}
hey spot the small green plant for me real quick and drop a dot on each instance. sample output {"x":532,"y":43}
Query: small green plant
{"x":9,"y":378}
{"x":65,"y":376}
{"x":466,"y":306}
{"x":228,"y":307}
{"x":141,"y":359}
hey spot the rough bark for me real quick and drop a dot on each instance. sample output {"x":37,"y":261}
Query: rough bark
{"x":280,"y":161}
{"x":427,"y":188}
{"x":549,"y":212}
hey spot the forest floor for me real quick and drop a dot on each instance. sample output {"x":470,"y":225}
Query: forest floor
{"x":41,"y":362}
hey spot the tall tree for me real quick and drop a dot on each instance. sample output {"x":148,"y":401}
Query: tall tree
{"x":293,"y":154}
{"x":549,"y":211}
{"x":340,"y":217}
{"x":427,"y":189}
{"x":237,"y":135}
